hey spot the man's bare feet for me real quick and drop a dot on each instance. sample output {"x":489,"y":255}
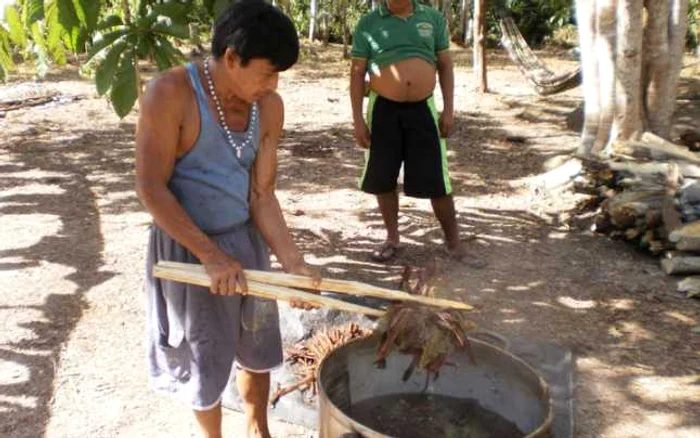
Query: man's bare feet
{"x":459,"y":253}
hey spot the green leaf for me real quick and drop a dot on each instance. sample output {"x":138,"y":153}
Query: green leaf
{"x":88,"y":12}
{"x":144,"y":46}
{"x":32,"y":12}
{"x":16,"y":31}
{"x":54,"y":33}
{"x":145,"y":22}
{"x":105,"y":72}
{"x":174,"y":55}
{"x":221,"y":6}
{"x":124,"y":86}
{"x":166,"y":26}
{"x":6,"y":63}
{"x":105,"y":40}
{"x":66,"y":14}
{"x":110,"y":21}
{"x":173,"y":9}
{"x":165,"y":54}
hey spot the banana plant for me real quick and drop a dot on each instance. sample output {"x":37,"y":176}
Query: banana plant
{"x":121,"y":44}
{"x":44,"y":30}
{"x":6,"y":63}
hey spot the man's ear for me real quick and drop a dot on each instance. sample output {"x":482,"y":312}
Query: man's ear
{"x":231,"y":58}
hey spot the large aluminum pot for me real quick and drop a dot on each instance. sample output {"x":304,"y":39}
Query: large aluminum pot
{"x":501,"y":382}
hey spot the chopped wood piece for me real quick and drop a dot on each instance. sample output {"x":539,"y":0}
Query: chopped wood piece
{"x":691,"y":230}
{"x":691,"y":287}
{"x":671,"y":218}
{"x":677,"y":265}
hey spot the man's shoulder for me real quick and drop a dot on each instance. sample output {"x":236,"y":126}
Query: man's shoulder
{"x":171,"y":84}
{"x":369,"y":19}
{"x":271,"y":108}
{"x":430,"y":12}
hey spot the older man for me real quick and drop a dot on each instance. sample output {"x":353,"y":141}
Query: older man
{"x":206,"y":162}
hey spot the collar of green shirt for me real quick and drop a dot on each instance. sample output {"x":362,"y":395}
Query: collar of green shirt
{"x":384,"y":8}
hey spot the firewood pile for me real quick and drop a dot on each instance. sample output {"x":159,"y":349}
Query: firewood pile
{"x":648,"y":193}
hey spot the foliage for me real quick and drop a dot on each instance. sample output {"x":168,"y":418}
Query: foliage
{"x":538,"y":19}
{"x":116,"y":34}
{"x":121,"y":44}
{"x":694,"y":24}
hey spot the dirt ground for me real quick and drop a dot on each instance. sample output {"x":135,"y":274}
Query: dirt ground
{"x":73,"y":235}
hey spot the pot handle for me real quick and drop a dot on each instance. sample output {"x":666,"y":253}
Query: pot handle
{"x":489,"y":336}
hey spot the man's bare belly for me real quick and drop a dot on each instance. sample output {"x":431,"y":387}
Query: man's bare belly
{"x":409,"y":80}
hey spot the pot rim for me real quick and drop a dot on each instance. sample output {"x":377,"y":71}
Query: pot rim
{"x":360,"y":428}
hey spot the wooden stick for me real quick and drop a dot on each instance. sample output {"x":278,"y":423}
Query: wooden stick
{"x":331,"y":285}
{"x":200,"y":278}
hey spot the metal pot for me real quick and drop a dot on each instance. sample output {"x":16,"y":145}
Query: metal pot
{"x":501,"y":382}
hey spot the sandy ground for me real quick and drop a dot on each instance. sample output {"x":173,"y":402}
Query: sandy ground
{"x":73,"y":234}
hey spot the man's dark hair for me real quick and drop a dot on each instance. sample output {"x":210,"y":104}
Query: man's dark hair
{"x":255,"y":29}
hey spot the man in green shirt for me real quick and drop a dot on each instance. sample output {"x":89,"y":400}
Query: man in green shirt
{"x":403,"y":44}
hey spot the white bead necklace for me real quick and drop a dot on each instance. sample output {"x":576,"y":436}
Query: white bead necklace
{"x":222,"y":119}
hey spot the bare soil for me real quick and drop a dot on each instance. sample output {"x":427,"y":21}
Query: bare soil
{"x":73,"y":237}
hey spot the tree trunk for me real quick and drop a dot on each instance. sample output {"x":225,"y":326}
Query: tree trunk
{"x":344,"y":28}
{"x":464,"y":19}
{"x":587,"y":27}
{"x":312,"y":20}
{"x":127,"y":11}
{"x":656,"y":61}
{"x":480,"y":44}
{"x":447,"y":12}
{"x":628,"y":118}
{"x":606,"y":11}
{"x":678,"y":28}
{"x":630,"y":68}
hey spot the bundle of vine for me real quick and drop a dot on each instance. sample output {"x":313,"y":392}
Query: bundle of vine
{"x":428,"y":334}
{"x":307,"y":356}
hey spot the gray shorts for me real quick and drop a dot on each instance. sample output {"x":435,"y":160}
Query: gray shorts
{"x":195,"y":337}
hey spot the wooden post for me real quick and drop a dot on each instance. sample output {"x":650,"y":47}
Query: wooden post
{"x":480,"y":44}
{"x":312,"y":20}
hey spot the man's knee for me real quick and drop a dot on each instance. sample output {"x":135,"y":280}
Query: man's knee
{"x":253,"y":387}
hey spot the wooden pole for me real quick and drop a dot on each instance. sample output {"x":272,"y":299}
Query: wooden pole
{"x":265,"y":290}
{"x":480,"y":44}
{"x":327,"y":284}
{"x":312,"y":20}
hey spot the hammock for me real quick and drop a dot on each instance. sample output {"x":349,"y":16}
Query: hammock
{"x":545,"y":81}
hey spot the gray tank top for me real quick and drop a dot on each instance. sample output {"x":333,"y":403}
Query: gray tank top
{"x":210,"y":181}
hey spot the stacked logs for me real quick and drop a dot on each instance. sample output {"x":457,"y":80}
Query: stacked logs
{"x":648,"y":193}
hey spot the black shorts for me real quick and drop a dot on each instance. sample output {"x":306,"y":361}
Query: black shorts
{"x":405,"y":132}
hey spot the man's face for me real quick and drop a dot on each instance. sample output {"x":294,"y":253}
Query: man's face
{"x":253,"y":81}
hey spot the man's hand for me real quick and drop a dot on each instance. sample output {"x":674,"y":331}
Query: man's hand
{"x":226,"y":275}
{"x":305,"y":269}
{"x":446,"y":121}
{"x":362,"y":135}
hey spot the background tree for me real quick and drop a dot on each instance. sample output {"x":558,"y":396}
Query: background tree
{"x":109,"y":38}
{"x":631,"y":68}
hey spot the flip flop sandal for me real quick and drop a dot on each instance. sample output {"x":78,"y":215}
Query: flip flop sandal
{"x":385,"y":252}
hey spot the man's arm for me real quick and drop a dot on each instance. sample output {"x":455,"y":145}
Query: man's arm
{"x":357,"y":94}
{"x":447,"y":85}
{"x":157,"y":135}
{"x":264,"y":206}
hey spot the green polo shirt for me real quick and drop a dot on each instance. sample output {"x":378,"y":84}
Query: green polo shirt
{"x":384,"y":39}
